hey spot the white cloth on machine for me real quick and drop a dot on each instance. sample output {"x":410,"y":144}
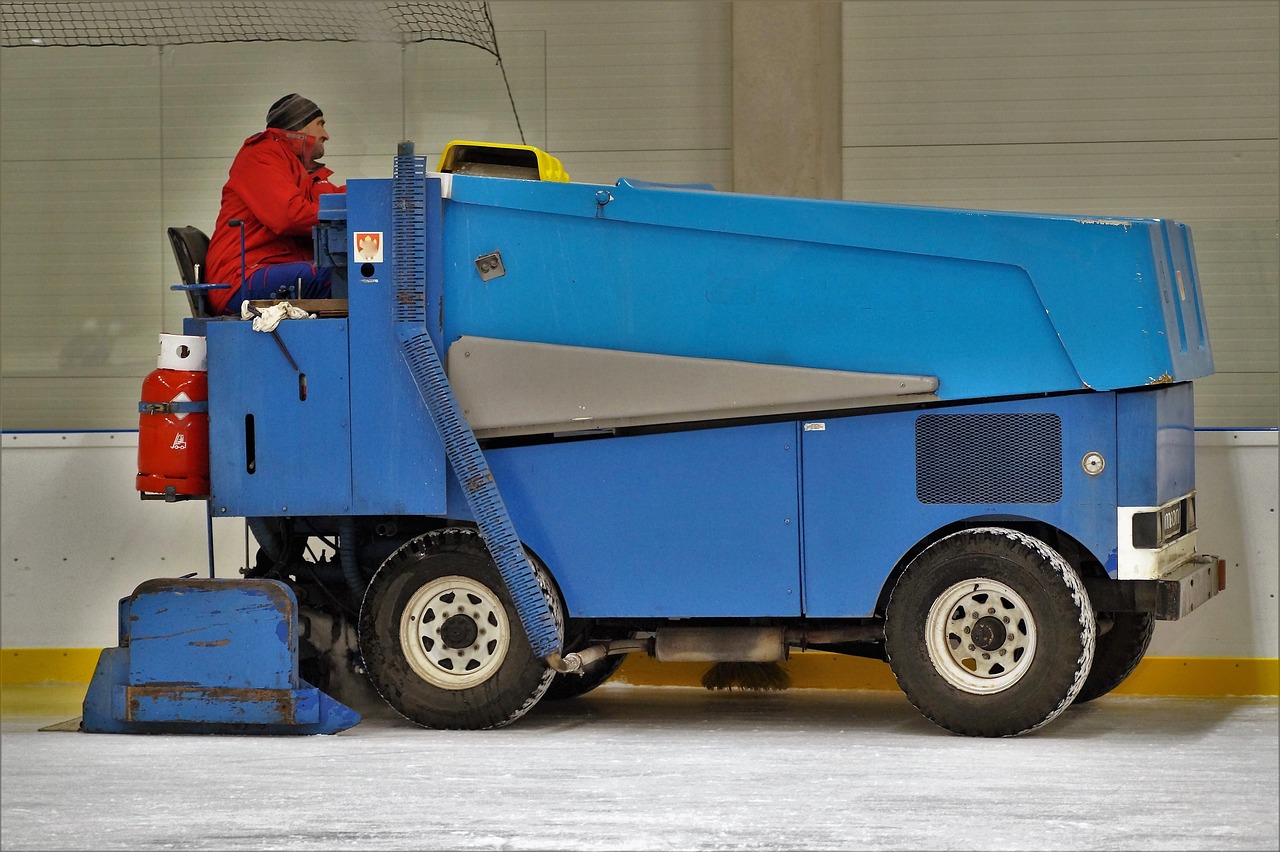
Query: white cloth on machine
{"x":268,"y":318}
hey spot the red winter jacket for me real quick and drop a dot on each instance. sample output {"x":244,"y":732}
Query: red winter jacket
{"x":271,"y":191}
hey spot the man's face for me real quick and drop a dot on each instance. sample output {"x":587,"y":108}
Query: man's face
{"x":316,"y":129}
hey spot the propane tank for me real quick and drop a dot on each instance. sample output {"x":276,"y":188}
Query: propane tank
{"x":173,"y":421}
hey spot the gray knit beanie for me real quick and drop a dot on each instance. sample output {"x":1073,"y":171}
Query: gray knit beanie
{"x":292,"y":112}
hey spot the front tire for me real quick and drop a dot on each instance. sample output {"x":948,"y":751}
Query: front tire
{"x":990,"y":633}
{"x":441,"y":638}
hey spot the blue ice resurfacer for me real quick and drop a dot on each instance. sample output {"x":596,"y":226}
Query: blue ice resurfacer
{"x":545,"y":424}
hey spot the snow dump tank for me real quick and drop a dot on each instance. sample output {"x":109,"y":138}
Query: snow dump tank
{"x":985,"y":304}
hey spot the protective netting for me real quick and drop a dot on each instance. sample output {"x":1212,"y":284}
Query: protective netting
{"x":125,"y":24}
{"x":160,"y":23}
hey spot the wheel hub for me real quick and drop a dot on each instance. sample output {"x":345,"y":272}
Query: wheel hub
{"x":989,"y":633}
{"x":459,"y":631}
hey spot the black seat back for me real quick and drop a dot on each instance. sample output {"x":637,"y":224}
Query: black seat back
{"x":189,"y":247}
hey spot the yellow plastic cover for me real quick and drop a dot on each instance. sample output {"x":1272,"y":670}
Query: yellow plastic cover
{"x":498,"y":159}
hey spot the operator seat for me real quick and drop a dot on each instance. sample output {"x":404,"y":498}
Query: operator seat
{"x":189,"y":247}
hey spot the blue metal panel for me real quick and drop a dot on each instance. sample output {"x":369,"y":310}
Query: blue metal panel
{"x":1181,"y":299}
{"x":1156,"y":435}
{"x":397,"y":457}
{"x":300,"y":459}
{"x":701,"y":523}
{"x":213,"y":633}
{"x":992,"y":303}
{"x":862,"y":512}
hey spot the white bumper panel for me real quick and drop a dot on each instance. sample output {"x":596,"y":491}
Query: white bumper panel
{"x":1146,"y":562}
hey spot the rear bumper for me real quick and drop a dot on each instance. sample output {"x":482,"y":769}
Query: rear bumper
{"x":1183,"y":588}
{"x":1158,"y":562}
{"x":1189,"y":586}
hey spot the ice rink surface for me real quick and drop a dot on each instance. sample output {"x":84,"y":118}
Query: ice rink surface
{"x":649,"y":768}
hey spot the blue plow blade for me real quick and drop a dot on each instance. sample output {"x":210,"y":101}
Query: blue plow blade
{"x":208,"y":656}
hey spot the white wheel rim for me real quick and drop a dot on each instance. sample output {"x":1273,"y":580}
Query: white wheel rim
{"x":981,"y":636}
{"x":455,"y":632}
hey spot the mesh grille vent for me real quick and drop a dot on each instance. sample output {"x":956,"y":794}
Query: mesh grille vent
{"x":989,"y":458}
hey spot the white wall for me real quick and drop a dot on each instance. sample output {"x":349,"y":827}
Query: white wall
{"x":1237,"y":479}
{"x":75,"y":538}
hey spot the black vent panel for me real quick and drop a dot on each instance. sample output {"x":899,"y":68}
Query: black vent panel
{"x":989,"y":458}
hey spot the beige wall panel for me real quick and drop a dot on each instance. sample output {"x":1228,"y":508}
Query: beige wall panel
{"x":80,"y":266}
{"x":79,"y":104}
{"x":1237,"y":400}
{"x":190,"y":194}
{"x":374,"y":165}
{"x":631,"y":76}
{"x":932,"y":72}
{"x":524,"y":55}
{"x":74,"y":403}
{"x":454,"y":91}
{"x":1176,"y":100}
{"x":1239,"y":267}
{"x":1190,"y":181}
{"x":712,"y":166}
{"x":217,"y":95}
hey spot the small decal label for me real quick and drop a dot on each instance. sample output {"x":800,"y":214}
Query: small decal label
{"x":181,"y":397}
{"x":179,"y":442}
{"x":815,"y":427}
{"x":368,"y":246}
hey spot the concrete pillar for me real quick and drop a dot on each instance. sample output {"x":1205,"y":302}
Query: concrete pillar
{"x":787,"y":106}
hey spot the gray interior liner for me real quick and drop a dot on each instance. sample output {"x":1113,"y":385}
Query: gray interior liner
{"x":511,"y":387}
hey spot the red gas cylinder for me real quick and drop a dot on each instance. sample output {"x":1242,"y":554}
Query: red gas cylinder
{"x":173,"y":420}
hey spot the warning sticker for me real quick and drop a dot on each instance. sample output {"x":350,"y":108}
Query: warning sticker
{"x":368,"y":246}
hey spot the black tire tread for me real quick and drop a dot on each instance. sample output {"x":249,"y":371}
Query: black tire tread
{"x":1119,"y":651}
{"x":495,"y":703}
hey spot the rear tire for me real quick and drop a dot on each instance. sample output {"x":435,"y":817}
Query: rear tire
{"x":990,"y":633}
{"x":1119,"y":651}
{"x":441,"y":638}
